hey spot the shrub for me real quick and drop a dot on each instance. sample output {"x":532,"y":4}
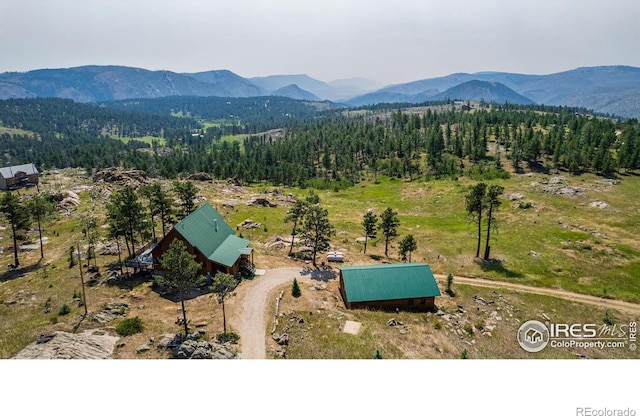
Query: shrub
{"x":129,"y":326}
{"x":608,"y":319}
{"x":449,"y":289}
{"x":64,"y":310}
{"x":525,"y":205}
{"x":231,"y":337}
{"x":464,"y":354}
{"x":377,"y":355}
{"x":295,"y":289}
{"x":468,"y":328}
{"x":72,"y":257}
{"x":437,"y":325}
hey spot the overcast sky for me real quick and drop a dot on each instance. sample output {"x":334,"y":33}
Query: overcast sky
{"x":388,"y":41}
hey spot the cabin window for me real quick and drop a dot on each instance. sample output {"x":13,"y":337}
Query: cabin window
{"x":423,"y":301}
{"x":410,"y":302}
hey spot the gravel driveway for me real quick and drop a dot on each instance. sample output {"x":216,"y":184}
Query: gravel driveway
{"x":253,"y":319}
{"x":253,"y":324}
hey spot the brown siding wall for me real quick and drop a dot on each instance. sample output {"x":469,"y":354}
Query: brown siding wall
{"x":402,"y":304}
{"x":207,"y":266}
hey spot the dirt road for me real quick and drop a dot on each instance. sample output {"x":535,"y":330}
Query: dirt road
{"x":253,"y":325}
{"x":558,"y":293}
{"x":253,"y":321}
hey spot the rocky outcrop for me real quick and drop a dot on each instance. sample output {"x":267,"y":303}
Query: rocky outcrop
{"x":133,"y":178}
{"x":200,"y":176}
{"x":89,"y":345}
{"x":194,"y":347}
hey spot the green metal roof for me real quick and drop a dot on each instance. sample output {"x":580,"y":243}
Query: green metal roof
{"x":206,"y":230}
{"x":229,"y":251}
{"x":389,"y":281}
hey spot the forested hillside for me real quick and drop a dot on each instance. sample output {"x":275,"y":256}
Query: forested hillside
{"x":322,"y":149}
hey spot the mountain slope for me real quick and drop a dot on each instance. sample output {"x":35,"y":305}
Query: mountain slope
{"x":605,"y":89}
{"x":101,"y":83}
{"x":295,"y":92}
{"x":483,"y":91}
{"x":232,"y":84}
{"x":321,"y":89}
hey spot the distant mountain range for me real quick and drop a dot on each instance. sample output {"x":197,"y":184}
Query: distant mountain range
{"x":604,"y":89}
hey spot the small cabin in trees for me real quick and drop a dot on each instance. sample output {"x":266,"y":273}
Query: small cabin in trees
{"x":405,"y":286}
{"x":14,"y":177}
{"x":211,"y":240}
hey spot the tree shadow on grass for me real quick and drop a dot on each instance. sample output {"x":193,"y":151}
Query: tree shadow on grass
{"x":323,"y":273}
{"x":174,"y":296}
{"x":13,"y":274}
{"x":497,"y":266}
{"x":128,"y":281}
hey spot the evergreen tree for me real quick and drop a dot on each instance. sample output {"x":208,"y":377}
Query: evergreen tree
{"x":186,"y":192}
{"x":449,"y":289}
{"x":180,"y":273}
{"x":147,"y":192}
{"x":407,"y":244}
{"x":125,"y":214}
{"x":370,"y":224}
{"x":296,"y":214}
{"x":162,"y":204}
{"x":89,"y":225}
{"x":492,"y":202}
{"x":475,"y":204}
{"x":223,"y":285}
{"x":295,"y":289}
{"x":40,"y":207}
{"x":317,"y":229}
{"x":17,"y":216}
{"x":389,"y":224}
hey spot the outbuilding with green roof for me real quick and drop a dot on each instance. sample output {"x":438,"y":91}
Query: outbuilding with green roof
{"x":406,"y":286}
{"x":211,"y":240}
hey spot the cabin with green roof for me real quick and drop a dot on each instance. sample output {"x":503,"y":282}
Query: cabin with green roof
{"x":406,"y":286}
{"x":211,"y":240}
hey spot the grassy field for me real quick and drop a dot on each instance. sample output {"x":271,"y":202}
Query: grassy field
{"x":558,"y":242}
{"x":315,"y":324}
{"x":146,"y":139}
{"x":12,"y":131}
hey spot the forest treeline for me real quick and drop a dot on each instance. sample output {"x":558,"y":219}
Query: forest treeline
{"x":316,"y":148}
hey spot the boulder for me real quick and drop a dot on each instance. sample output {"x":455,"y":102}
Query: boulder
{"x":143,"y":348}
{"x":263,"y":202}
{"x":200,"y":176}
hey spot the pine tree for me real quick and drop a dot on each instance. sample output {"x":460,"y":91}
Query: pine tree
{"x":296,"y":214}
{"x":317,"y":229}
{"x":493,"y":203}
{"x":187,"y":193}
{"x":370,"y":224}
{"x":40,"y":207}
{"x":449,"y":289}
{"x":389,"y":224}
{"x":295,"y":289}
{"x":223,"y":285}
{"x":180,"y":273}
{"x":475,"y":204}
{"x":17,"y":216}
{"x":407,"y":245}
